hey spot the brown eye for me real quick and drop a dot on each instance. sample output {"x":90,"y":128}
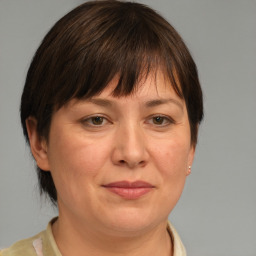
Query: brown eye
{"x":158,"y":120}
{"x":94,"y":121}
{"x":97,"y":120}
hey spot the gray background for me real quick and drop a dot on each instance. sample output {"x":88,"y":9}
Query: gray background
{"x":216,"y":215}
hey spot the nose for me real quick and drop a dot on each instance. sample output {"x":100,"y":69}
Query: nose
{"x":130,"y":148}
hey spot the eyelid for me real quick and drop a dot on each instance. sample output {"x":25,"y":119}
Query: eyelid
{"x":166,"y":117}
{"x":85,"y":120}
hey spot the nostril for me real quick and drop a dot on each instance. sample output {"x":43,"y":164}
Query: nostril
{"x":142,"y":163}
{"x":132,"y":164}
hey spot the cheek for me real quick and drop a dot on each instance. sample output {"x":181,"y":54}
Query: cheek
{"x":171,"y":158}
{"x":75,"y":162}
{"x":77,"y":154}
{"x":76,"y":169}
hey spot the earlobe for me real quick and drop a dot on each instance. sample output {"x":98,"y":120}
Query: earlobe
{"x":38,"y":145}
{"x":189,"y":170}
{"x":190,"y":160}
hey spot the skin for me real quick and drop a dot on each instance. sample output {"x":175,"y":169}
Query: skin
{"x":144,"y":136}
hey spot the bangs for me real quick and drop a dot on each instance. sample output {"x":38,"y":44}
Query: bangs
{"x":127,"y":46}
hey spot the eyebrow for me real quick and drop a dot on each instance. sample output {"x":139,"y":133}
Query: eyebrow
{"x":154,"y":103}
{"x":149,"y":104}
{"x":101,"y":102}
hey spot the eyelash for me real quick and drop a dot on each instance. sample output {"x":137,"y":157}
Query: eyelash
{"x":89,"y":121}
{"x":166,"y":120}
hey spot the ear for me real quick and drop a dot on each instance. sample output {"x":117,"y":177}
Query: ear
{"x":190,"y":159}
{"x":38,"y":145}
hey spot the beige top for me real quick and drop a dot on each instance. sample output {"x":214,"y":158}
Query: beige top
{"x":43,"y":244}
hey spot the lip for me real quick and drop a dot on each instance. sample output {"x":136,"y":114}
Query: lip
{"x":129,"y":190}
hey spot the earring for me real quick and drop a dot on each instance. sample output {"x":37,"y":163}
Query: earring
{"x":189,"y":169}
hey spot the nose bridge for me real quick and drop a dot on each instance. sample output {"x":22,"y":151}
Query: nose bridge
{"x":130,"y":147}
{"x":133,"y":139}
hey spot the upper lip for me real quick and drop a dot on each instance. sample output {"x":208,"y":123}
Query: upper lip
{"x":128,"y":184}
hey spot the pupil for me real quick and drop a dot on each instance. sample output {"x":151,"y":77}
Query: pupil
{"x":97,"y":120}
{"x":158,"y":120}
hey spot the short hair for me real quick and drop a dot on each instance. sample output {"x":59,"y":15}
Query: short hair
{"x":92,"y":44}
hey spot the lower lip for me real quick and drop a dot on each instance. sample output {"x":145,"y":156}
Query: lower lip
{"x":130,"y":193}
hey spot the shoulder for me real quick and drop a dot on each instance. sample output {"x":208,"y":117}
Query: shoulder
{"x":178,"y":247}
{"x":42,"y":244}
{"x":26,"y":247}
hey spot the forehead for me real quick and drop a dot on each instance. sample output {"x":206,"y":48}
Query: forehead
{"x":151,"y":90}
{"x":155,"y":84}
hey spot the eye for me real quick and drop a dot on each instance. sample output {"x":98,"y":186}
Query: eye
{"x":95,"y":121}
{"x":160,"y":120}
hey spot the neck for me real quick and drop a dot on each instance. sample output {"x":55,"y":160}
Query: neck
{"x":75,"y":239}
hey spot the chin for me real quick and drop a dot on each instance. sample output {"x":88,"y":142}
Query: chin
{"x":130,"y":221}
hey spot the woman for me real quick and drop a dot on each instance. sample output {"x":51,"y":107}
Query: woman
{"x":111,"y":108}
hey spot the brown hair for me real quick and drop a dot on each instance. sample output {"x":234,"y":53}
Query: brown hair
{"x":93,"y":43}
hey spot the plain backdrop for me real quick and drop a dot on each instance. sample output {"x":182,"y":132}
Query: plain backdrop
{"x":216,"y":215}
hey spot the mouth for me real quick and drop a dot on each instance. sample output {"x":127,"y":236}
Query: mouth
{"x":129,"y":190}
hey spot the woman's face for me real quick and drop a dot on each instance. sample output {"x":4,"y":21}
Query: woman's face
{"x":120,"y":164}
